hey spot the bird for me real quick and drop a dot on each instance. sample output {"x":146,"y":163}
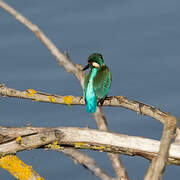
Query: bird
{"x":97,"y":82}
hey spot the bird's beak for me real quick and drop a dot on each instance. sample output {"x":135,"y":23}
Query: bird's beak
{"x":86,"y":67}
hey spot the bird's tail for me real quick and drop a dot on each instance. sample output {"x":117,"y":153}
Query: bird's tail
{"x":91,"y":105}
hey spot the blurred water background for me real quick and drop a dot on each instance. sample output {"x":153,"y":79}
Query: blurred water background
{"x":140,"y":42}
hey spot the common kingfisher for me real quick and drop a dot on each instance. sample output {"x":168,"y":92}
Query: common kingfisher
{"x":97,"y":83}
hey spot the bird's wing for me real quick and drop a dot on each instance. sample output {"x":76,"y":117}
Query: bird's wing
{"x":102,"y":82}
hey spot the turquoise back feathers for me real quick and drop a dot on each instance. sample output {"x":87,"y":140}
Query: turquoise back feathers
{"x":97,"y":83}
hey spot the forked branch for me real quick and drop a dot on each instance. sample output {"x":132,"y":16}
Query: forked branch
{"x":63,"y":60}
{"x":159,"y":157}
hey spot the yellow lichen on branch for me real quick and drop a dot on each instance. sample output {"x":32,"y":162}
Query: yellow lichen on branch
{"x":85,"y":145}
{"x":67,"y":99}
{"x":30,"y":92}
{"x":54,"y":145}
{"x":18,"y":169}
{"x":79,"y":145}
{"x":51,"y":99}
{"x":18,"y":139}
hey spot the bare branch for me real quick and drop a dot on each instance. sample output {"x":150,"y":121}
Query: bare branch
{"x":83,"y":138}
{"x":158,"y":165}
{"x":64,"y":60}
{"x":61,"y":58}
{"x":117,"y":101}
{"x":86,"y":161}
{"x":118,"y":166}
{"x":116,"y":162}
{"x":30,"y":138}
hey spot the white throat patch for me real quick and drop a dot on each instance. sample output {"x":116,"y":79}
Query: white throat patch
{"x":96,"y":65}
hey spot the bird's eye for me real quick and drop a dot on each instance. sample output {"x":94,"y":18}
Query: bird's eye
{"x":96,"y":65}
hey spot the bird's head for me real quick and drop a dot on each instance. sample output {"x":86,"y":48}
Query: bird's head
{"x":95,"y":60}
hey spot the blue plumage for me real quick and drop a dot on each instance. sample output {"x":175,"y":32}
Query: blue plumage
{"x":97,"y":83}
{"x":89,"y":94}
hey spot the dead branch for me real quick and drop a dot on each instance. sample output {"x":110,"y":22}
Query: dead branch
{"x":83,"y":138}
{"x":116,"y":101}
{"x":83,"y":159}
{"x":158,"y":165}
{"x":63,"y":59}
{"x":116,"y":162}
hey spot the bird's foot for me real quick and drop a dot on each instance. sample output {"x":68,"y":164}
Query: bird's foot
{"x":101,"y":101}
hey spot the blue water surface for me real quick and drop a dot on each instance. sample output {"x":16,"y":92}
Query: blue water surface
{"x":140,"y":42}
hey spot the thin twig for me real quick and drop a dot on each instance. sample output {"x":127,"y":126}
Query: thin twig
{"x":158,"y":165}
